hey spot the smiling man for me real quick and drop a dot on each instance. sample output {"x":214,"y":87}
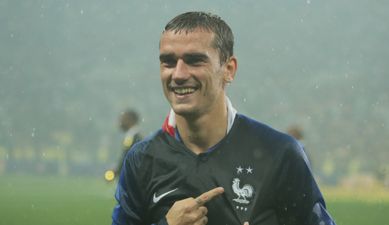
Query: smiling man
{"x":209,"y":164}
{"x":194,"y":78}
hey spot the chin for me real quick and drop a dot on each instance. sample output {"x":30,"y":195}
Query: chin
{"x":184,"y":110}
{"x":181,"y":111}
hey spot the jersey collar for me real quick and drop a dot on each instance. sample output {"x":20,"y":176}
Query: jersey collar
{"x":169,"y":125}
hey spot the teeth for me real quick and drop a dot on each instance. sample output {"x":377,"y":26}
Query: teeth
{"x":183,"y":91}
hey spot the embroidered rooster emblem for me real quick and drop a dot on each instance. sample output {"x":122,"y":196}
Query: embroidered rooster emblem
{"x":245,"y":192}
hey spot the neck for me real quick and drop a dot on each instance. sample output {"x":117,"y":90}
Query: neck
{"x":202,"y":132}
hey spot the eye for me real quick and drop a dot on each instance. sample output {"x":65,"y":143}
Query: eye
{"x":168,"y":61}
{"x":195,"y":60}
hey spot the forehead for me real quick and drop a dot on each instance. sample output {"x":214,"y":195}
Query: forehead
{"x":181,"y":42}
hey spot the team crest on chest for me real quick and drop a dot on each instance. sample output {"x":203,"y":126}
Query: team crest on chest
{"x":243,"y":191}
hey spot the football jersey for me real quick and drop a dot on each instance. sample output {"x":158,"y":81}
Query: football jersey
{"x":132,"y":136}
{"x":265,"y":177}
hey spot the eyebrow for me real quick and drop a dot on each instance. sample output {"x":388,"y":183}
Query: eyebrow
{"x":196,"y":56}
{"x":188,"y":56}
{"x":167,"y":56}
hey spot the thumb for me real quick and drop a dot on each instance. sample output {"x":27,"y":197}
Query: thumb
{"x":246,"y":223}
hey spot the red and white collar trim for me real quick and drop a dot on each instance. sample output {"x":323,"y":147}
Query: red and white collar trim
{"x":169,"y":125}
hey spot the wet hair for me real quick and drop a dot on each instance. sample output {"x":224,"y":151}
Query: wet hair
{"x":224,"y":39}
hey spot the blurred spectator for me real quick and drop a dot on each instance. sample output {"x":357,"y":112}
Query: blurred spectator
{"x":296,"y":132}
{"x":128,"y":122}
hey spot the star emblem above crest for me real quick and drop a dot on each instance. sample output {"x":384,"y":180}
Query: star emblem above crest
{"x":239,"y":170}
{"x":242,"y":170}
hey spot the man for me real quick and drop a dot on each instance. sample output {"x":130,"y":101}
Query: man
{"x":209,"y":164}
{"x":128,"y":123}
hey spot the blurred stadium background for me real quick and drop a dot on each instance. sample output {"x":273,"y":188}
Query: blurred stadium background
{"x":68,"y":68}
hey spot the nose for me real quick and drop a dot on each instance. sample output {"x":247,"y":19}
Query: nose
{"x":181,"y":72}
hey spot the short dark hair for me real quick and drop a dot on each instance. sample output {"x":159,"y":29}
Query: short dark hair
{"x":224,"y":38}
{"x":131,"y":115}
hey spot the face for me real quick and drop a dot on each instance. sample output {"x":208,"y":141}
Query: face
{"x":192,"y":76}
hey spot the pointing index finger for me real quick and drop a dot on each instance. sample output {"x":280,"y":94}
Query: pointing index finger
{"x":209,"y":195}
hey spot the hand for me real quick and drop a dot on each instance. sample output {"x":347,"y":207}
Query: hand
{"x":191,"y":211}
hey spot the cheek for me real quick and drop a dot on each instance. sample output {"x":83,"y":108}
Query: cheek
{"x":218,"y":81}
{"x":164,"y":76}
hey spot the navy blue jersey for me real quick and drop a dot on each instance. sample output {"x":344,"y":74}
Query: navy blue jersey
{"x":128,"y":142}
{"x":266,"y":179}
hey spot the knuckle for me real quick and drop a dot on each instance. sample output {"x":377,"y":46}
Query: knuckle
{"x":205,"y":220}
{"x":186,"y":209}
{"x":205,"y":211}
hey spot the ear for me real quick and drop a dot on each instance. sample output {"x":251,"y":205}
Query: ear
{"x":230,"y":69}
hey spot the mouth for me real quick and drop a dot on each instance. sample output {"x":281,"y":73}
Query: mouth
{"x":183,"y":90}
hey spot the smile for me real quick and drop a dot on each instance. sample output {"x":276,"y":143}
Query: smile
{"x":183,"y":90}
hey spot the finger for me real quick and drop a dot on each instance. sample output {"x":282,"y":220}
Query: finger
{"x":209,"y":195}
{"x":246,"y":223}
{"x":203,"y":210}
{"x":200,"y":214}
{"x":205,"y":220}
{"x":202,"y":221}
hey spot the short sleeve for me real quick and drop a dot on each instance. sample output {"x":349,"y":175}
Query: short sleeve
{"x":298,"y":195}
